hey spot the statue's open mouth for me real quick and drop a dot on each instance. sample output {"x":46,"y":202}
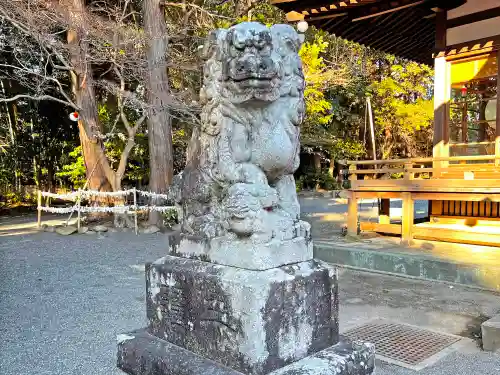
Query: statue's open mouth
{"x":246,"y":79}
{"x":256,"y":83}
{"x":253,"y":72}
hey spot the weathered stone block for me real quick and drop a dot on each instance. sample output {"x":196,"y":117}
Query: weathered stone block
{"x":245,"y":253}
{"x":251,"y":321}
{"x":344,"y":358}
{"x":491,"y":334}
{"x":140,"y":353}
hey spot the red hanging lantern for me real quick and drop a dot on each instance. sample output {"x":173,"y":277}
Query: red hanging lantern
{"x":74,"y":116}
{"x":464,"y":91}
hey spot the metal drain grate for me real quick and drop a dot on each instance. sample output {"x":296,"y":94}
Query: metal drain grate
{"x":402,"y":343}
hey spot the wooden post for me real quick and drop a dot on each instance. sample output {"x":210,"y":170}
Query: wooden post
{"x":497,"y":133}
{"x":372,"y":128}
{"x":39,"y":208}
{"x":441,"y":97}
{"x":352,"y":204}
{"x":352,"y":176}
{"x":352,"y":215}
{"x":135,"y":210}
{"x":497,"y":150}
{"x":384,"y":211}
{"x":407,"y":219}
{"x":78,"y":208}
{"x":407,"y":174}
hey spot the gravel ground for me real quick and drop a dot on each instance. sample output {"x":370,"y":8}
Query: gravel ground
{"x":63,"y":300}
{"x":454,"y":364}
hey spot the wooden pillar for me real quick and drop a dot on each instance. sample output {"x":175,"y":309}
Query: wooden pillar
{"x":352,"y":215}
{"x":441,"y":96}
{"x":441,"y":99}
{"x":352,"y":204}
{"x":384,"y":211}
{"x":407,"y":219}
{"x":497,"y":133}
{"x":39,"y":208}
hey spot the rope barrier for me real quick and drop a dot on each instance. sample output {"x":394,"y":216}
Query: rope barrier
{"x":94,"y":193}
{"x":116,"y":209}
{"x":77,"y":197}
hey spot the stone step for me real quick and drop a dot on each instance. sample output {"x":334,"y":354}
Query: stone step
{"x":476,"y":267}
{"x":491,"y":334}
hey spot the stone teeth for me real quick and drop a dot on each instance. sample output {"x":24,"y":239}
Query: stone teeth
{"x":123,"y":337}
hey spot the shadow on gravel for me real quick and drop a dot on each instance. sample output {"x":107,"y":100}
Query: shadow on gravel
{"x":473,"y":330}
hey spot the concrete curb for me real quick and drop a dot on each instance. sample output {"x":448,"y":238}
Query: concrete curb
{"x":410,"y":265}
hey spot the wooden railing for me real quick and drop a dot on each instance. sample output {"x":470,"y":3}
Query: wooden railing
{"x":415,"y":168}
{"x":464,"y":148}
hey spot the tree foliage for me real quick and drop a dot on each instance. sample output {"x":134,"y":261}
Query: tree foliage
{"x":39,"y":145}
{"x":403,"y":108}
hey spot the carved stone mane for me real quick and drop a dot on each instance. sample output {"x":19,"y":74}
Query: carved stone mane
{"x":238,"y":186}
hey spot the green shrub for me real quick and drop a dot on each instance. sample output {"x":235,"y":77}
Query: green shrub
{"x":12,"y":199}
{"x":312,"y":179}
{"x":170,"y":218}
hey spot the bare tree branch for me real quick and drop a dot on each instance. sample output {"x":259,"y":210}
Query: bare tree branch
{"x":198,"y":8}
{"x":37,"y":98}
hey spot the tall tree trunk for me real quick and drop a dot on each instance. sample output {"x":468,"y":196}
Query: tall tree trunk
{"x":243,"y":8}
{"x":158,"y":96}
{"x":483,"y":125}
{"x":36,"y":159}
{"x":11,"y":111}
{"x":50,"y":176}
{"x":83,"y":90}
{"x":331,"y":168}
{"x":93,"y":164}
{"x":317,"y":167}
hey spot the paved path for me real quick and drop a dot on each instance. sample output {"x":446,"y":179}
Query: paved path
{"x":64,"y":300}
{"x":436,"y":306}
{"x":27,"y":224}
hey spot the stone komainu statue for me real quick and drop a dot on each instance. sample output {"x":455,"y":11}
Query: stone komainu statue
{"x":238,"y":182}
{"x":241,"y":292}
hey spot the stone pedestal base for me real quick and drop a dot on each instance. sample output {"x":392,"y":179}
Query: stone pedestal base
{"x":207,"y":318}
{"x":140,"y":353}
{"x":251,"y":321}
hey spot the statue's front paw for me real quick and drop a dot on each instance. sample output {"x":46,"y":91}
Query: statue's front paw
{"x":268,"y":198}
{"x":242,"y":210}
{"x":304,"y":229}
{"x":242,"y":227}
